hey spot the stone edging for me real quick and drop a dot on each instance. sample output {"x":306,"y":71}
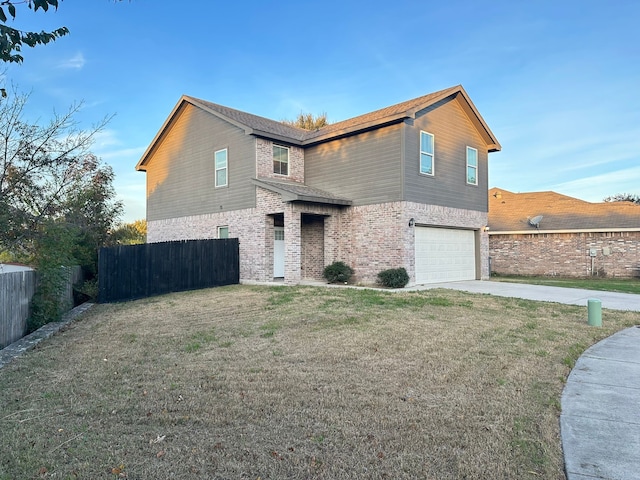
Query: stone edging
{"x":21,"y":346}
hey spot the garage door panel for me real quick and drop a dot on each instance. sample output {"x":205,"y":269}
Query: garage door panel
{"x":444,"y":255}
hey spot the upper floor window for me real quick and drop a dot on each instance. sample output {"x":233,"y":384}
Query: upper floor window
{"x":280,"y":160}
{"x":221,"y":168}
{"x":426,"y":153}
{"x":223,"y":231}
{"x":472,"y":166}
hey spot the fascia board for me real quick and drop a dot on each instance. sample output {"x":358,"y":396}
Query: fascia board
{"x":141,"y":165}
{"x":371,"y":125}
{"x":580,"y":230}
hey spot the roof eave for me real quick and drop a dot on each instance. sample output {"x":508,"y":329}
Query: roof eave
{"x":288,"y":196}
{"x":379,"y":123}
{"x":279,"y":138}
{"x":141,"y":165}
{"x":566,"y":230}
{"x":323,"y":200}
{"x":493,"y":143}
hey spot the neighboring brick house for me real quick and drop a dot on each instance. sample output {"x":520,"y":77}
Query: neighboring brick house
{"x":404,"y":186}
{"x":545,"y":233}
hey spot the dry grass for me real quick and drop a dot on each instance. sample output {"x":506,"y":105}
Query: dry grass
{"x":274,"y":383}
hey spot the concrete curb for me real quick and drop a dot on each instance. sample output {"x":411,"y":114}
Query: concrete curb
{"x":10,"y":352}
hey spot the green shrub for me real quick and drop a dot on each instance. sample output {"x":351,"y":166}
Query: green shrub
{"x":394,"y":277}
{"x":337,"y":272}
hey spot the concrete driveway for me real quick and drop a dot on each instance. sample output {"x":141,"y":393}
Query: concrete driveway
{"x":542,"y":293}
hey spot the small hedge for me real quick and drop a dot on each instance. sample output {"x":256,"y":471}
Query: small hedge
{"x":394,"y":277}
{"x":337,"y":272}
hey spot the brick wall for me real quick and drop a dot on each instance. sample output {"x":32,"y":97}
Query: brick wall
{"x":369,"y":238}
{"x":378,"y":237}
{"x":312,"y":236}
{"x":566,"y":254}
{"x":435,"y":215}
{"x":264,"y":162}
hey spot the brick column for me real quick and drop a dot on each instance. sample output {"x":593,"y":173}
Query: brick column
{"x":292,"y":245}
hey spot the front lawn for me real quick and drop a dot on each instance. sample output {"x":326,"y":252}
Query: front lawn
{"x":623,"y":285}
{"x":300,"y":382}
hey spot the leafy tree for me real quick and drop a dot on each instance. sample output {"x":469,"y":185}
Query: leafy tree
{"x":90,"y":211}
{"x":308,"y":121}
{"x":56,"y":199}
{"x":624,"y":197}
{"x":12,"y":40}
{"x":41,"y":166}
{"x":130,"y":233}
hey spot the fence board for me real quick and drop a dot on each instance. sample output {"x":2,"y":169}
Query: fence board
{"x":16,"y":290}
{"x":128,"y":272}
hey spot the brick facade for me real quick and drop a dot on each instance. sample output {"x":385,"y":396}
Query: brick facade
{"x":617,"y":254}
{"x":264,"y":162}
{"x":369,"y":238}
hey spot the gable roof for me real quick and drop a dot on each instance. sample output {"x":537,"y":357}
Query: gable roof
{"x":510,"y":213}
{"x":274,"y":130}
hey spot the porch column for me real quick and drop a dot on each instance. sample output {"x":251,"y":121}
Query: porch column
{"x":292,"y":245}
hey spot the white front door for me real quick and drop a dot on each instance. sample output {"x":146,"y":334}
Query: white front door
{"x":278,"y":252}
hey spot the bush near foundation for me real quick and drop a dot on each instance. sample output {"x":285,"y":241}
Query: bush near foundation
{"x":393,"y":277}
{"x":337,"y":272}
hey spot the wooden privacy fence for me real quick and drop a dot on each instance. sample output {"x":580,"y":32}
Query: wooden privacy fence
{"x":137,"y":271}
{"x":16,"y":291}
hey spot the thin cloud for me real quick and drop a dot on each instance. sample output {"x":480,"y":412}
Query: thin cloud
{"x":74,"y":63}
{"x":596,"y":187}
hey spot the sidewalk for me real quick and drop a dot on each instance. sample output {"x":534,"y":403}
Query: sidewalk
{"x":600,"y":420}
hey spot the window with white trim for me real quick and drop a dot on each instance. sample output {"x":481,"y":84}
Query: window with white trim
{"x":223,"y":232}
{"x":472,"y":166}
{"x":221,"y":162}
{"x":426,"y":153}
{"x":280,"y":160}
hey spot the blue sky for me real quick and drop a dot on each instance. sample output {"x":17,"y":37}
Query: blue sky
{"x":557,"y":81}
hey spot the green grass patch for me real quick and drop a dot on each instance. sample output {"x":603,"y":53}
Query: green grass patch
{"x":574,"y":353}
{"x":282,"y":295}
{"x":200,"y":339}
{"x":270,"y":328}
{"x":622,"y":285}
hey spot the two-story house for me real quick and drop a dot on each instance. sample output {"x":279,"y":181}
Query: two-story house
{"x":404,"y":186}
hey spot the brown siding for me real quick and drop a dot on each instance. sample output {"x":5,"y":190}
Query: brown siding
{"x":453,"y":132}
{"x":365,"y":168}
{"x":566,"y":254}
{"x":180,"y":172}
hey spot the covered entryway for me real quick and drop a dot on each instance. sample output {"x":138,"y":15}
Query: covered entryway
{"x":444,"y":254}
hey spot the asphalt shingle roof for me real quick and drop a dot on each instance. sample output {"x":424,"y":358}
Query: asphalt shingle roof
{"x":300,"y":192}
{"x":275,"y":130}
{"x":511,"y":212}
{"x":272,"y":127}
{"x":252,"y":121}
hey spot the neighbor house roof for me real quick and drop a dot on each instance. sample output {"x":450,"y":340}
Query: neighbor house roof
{"x":275,"y":130}
{"x":518,"y":212}
{"x":297,"y":192}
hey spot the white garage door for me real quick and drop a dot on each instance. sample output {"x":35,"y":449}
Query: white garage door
{"x":444,"y":255}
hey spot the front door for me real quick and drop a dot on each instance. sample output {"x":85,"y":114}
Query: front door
{"x":278,"y":252}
